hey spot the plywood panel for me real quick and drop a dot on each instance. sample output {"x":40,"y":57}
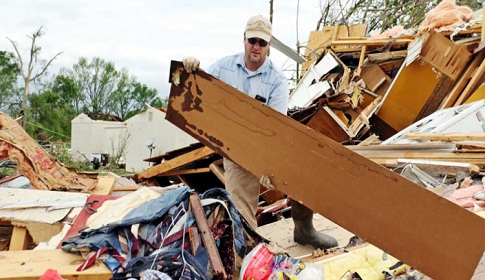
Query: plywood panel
{"x":409,"y":92}
{"x":31,"y":265}
{"x":411,"y":223}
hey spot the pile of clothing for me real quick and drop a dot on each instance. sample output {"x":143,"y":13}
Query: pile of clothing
{"x":160,"y":238}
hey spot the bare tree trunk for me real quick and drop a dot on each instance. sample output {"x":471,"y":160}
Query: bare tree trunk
{"x":27,"y":75}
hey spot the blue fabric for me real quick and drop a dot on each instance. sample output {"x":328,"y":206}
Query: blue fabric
{"x":91,"y":241}
{"x":107,"y":236}
{"x":268,"y":81}
{"x":112,"y":263}
{"x":163,"y":210}
{"x":155,"y":208}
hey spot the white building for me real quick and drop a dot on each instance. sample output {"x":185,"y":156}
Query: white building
{"x":88,"y":136}
{"x":144,"y":135}
{"x":149,"y":129}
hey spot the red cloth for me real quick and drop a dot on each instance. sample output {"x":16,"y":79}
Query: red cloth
{"x":51,"y":274}
{"x":80,"y":220}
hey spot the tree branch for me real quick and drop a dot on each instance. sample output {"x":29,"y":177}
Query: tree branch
{"x":45,"y":67}
{"x":20,"y":63}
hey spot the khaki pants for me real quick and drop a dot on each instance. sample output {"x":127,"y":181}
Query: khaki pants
{"x":244,"y":188}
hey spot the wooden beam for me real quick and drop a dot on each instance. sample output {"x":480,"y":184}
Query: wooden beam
{"x":217,"y":170}
{"x":19,"y":239}
{"x":186,"y":171}
{"x":462,"y":82}
{"x":207,"y":237}
{"x":472,"y":84}
{"x":446,"y":137}
{"x":32,"y":264}
{"x":422,"y":229}
{"x":173,"y":163}
{"x":376,"y":42}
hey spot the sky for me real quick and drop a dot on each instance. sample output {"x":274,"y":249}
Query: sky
{"x":144,"y":36}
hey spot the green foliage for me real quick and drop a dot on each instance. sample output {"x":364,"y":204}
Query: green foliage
{"x":96,"y":87}
{"x":50,"y":117}
{"x":9,"y":92}
{"x":63,"y":156}
{"x":7,"y":168}
{"x":159,"y":102}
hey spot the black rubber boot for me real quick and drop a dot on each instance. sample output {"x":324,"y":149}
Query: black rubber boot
{"x":304,"y":232}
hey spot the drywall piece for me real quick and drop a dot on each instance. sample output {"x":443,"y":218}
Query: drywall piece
{"x":310,"y":86}
{"x":38,"y":206}
{"x":422,"y":229}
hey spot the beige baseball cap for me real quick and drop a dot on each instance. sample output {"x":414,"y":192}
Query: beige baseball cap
{"x":258,"y":27}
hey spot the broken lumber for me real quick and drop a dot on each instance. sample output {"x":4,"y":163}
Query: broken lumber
{"x":207,"y":237}
{"x":445,"y":137}
{"x":385,"y":209}
{"x":173,"y":163}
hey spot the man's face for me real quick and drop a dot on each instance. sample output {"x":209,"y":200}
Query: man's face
{"x":255,"y":50}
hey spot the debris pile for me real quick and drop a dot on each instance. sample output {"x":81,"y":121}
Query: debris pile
{"x":377,"y":126}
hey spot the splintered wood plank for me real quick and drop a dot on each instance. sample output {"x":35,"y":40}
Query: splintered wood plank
{"x":472,"y":84}
{"x":318,"y":40}
{"x":30,"y":265}
{"x":448,"y":137}
{"x":422,"y":229}
{"x":173,"y":163}
{"x":463,"y":81}
{"x":105,"y":185}
{"x":19,"y":239}
{"x":207,"y":237}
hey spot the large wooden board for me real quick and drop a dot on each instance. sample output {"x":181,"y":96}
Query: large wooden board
{"x":31,"y":265}
{"x":411,"y":223}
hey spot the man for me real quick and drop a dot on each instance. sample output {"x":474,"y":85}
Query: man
{"x":254,"y":74}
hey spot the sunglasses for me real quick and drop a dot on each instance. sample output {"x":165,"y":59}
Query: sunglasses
{"x":261,"y":42}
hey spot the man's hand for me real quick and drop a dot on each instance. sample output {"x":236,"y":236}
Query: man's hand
{"x":190,"y":64}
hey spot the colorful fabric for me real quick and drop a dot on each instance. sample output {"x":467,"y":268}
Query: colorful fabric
{"x":165,"y":239}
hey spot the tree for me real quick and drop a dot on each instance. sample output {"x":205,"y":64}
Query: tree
{"x":69,"y":93}
{"x":380,"y":15}
{"x":50,"y":117}
{"x":8,"y":79}
{"x":100,"y":90}
{"x":160,"y":102}
{"x":130,"y":96}
{"x":28,"y":74}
